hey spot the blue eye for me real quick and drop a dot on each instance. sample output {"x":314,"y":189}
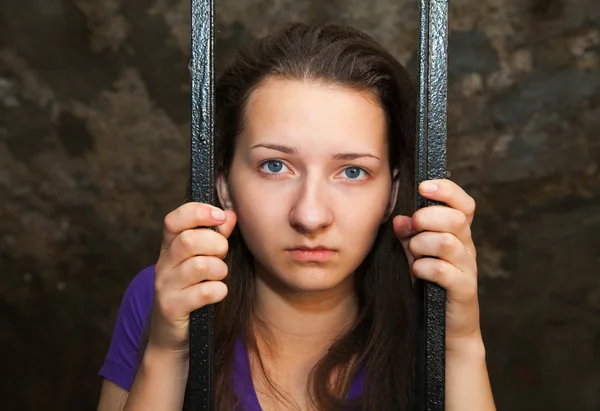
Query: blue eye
{"x":272,"y":166}
{"x":353,"y":172}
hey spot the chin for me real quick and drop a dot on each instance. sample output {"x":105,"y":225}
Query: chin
{"x":304,"y":277}
{"x":314,"y":280}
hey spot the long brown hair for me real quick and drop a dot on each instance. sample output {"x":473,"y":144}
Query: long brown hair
{"x":381,"y":337}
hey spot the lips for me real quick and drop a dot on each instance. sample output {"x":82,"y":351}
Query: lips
{"x":317,"y":248}
{"x":311,"y":254}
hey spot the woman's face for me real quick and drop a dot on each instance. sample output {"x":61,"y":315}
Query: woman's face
{"x":310,"y":170}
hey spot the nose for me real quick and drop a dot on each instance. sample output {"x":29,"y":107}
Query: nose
{"x":311,"y":211}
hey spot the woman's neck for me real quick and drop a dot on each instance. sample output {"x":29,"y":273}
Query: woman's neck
{"x":303,"y":323}
{"x":294,"y":330}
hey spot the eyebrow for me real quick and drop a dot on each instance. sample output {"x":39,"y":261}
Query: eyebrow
{"x":291,"y":150}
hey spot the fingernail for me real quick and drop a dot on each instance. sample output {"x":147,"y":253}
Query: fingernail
{"x":429,"y":187}
{"x":218,"y":215}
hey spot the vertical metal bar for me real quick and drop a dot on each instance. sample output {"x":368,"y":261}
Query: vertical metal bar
{"x":200,"y":388}
{"x":431,"y":164}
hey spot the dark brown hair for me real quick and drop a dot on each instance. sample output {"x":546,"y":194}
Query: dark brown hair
{"x":381,"y":337}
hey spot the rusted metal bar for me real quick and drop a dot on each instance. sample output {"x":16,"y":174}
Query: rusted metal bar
{"x":431,"y":164}
{"x":200,"y":386}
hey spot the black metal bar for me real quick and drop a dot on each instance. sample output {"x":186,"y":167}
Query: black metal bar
{"x":431,"y":164}
{"x":200,"y":388}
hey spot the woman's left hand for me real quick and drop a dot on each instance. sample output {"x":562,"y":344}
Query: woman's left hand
{"x":438,"y":244}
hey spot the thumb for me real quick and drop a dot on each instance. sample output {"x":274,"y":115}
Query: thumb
{"x":227,"y":227}
{"x":403,"y":227}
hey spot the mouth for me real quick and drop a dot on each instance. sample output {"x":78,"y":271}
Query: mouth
{"x":315,"y":254}
{"x":315,"y":248}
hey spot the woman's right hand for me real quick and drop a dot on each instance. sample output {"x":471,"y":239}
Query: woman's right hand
{"x":189,"y":271}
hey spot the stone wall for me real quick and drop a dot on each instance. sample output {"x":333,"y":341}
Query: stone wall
{"x":94,"y":101}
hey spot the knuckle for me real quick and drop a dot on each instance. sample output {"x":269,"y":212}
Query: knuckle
{"x":211,"y":292}
{"x":440,"y":270}
{"x":199,"y":265}
{"x":447,"y":242}
{"x":442,"y":274}
{"x":213,"y":243}
{"x":460,"y":221}
{"x":186,"y":238}
{"x":205,"y":293}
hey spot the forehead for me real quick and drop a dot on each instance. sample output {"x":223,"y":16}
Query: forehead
{"x":314,"y":114}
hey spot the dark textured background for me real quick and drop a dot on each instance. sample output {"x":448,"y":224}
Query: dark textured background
{"x":94,"y":101}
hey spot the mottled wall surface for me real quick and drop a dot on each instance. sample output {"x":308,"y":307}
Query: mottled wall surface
{"x":94,"y":101}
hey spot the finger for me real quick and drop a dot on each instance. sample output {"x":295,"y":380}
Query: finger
{"x":193,"y":271}
{"x":227,"y":227}
{"x":451,"y":194}
{"x":189,"y":243}
{"x":443,"y":219}
{"x":444,"y":246}
{"x":460,"y":287}
{"x":200,"y":295}
{"x":404,"y":230}
{"x":188,"y":216}
{"x":403,"y":227}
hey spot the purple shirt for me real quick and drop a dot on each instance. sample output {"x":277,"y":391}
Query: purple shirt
{"x":124,"y":355}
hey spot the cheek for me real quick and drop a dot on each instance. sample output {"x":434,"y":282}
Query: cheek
{"x":359,"y":229}
{"x":259,"y":214}
{"x":368,"y":207}
{"x":360,"y":222}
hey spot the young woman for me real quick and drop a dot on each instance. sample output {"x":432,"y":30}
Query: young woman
{"x":316,"y":243}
